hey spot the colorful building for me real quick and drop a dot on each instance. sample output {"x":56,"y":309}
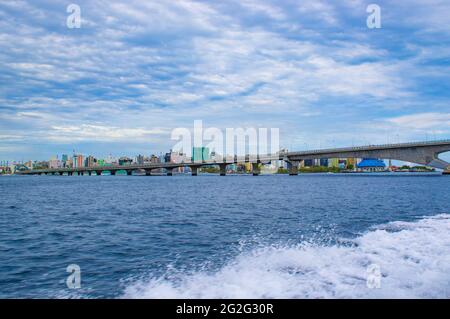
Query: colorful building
{"x":78,"y":161}
{"x":333,"y":162}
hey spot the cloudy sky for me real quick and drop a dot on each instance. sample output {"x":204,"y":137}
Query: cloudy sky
{"x":136,"y":70}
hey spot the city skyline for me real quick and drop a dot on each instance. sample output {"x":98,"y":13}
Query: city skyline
{"x":124,"y":80}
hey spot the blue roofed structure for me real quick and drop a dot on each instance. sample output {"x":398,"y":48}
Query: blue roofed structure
{"x":371,"y":165}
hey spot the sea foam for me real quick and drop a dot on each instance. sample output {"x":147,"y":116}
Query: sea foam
{"x":414,"y":259}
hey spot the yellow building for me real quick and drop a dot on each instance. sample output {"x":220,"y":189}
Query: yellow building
{"x":333,"y":162}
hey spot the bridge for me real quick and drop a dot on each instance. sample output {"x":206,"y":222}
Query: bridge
{"x":423,"y":153}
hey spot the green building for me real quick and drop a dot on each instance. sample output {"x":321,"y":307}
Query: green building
{"x":200,"y":154}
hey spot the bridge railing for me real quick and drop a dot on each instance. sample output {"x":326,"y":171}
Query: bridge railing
{"x":370,"y":147}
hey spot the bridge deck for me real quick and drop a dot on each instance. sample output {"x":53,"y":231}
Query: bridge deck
{"x":289,"y":156}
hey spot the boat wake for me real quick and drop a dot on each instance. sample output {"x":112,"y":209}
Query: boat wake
{"x":413,"y":259}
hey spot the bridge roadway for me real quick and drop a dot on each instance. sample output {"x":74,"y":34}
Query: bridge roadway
{"x":423,"y":153}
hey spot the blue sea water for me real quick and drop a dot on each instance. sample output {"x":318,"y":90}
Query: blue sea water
{"x":275,"y":236}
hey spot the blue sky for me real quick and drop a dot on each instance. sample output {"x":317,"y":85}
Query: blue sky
{"x":135,"y":70}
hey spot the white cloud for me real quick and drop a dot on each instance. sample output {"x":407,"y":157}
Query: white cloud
{"x":423,"y":121}
{"x":91,"y":133}
{"x":165,"y":63}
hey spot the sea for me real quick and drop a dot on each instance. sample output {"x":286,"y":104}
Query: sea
{"x":237,"y":236}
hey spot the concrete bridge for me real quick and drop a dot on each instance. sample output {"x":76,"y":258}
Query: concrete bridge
{"x":423,"y":153}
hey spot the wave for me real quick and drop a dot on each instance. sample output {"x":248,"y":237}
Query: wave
{"x":413,"y":259}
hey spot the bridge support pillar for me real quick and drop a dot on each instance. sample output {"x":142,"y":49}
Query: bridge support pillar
{"x":194,"y":170}
{"x":148,"y":172}
{"x":292,"y":167}
{"x":255,"y":169}
{"x":129,"y":172}
{"x":169,"y":171}
{"x":223,"y":169}
{"x":99,"y":173}
{"x":113,"y":173}
{"x":90,"y":173}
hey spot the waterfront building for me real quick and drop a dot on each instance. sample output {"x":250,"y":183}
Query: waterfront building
{"x":90,"y":161}
{"x":78,"y":161}
{"x":177,"y":157}
{"x":323,"y":162}
{"x":101,"y":162}
{"x":140,"y":159}
{"x":110,"y":160}
{"x":308,"y":162}
{"x":125,"y":161}
{"x":232,"y":168}
{"x":371,"y":165}
{"x":54,"y":163}
{"x":155,"y":159}
{"x":167,"y":157}
{"x":241,"y":168}
{"x":200,"y":154}
{"x":69,"y":163}
{"x":41,"y":165}
{"x":29,"y":164}
{"x":351,"y":163}
{"x":333,"y":163}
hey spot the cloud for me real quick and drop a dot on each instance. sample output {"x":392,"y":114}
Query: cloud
{"x":423,"y":121}
{"x":101,"y":133}
{"x":309,"y":67}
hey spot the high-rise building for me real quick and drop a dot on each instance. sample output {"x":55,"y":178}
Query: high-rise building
{"x":64,"y":159}
{"x":154,"y":159}
{"x":90,"y":161}
{"x":140,"y":159}
{"x":167,"y":157}
{"x":78,"y":161}
{"x":200,"y":154}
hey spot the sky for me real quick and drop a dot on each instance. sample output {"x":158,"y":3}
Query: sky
{"x":136,"y":70}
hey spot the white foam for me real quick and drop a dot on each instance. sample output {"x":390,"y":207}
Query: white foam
{"x":414,"y":258}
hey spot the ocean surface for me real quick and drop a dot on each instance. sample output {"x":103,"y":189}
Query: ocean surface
{"x":275,"y":236}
